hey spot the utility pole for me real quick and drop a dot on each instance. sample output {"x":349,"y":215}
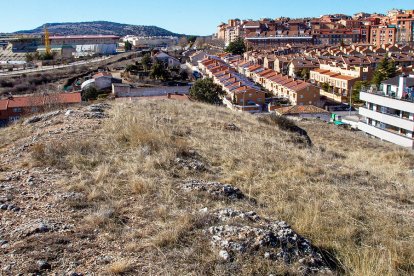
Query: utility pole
{"x":244,"y":94}
{"x":350,"y":101}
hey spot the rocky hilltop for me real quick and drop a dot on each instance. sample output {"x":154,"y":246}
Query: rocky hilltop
{"x":99,"y":28}
{"x":170,"y":188}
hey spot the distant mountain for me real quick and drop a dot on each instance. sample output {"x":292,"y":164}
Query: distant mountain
{"x":99,"y":27}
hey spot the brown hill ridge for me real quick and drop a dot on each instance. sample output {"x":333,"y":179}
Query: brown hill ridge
{"x":168,"y":188}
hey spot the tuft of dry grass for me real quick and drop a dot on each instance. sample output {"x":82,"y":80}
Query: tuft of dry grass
{"x":120,"y":267}
{"x":67,"y":154}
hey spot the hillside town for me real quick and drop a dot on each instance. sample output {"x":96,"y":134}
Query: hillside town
{"x":327,"y":66}
{"x":273,"y":146}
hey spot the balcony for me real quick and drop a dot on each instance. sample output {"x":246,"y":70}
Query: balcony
{"x":381,"y":93}
{"x":333,"y":96}
{"x":386,"y":135}
{"x":382,"y":99}
{"x":387,"y":119}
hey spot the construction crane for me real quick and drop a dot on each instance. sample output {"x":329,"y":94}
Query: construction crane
{"x":47,"y":41}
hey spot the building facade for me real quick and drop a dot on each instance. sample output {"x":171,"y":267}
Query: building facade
{"x":389,"y":113}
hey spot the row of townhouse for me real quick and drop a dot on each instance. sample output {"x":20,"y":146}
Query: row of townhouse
{"x":241,"y":93}
{"x":298,"y":92}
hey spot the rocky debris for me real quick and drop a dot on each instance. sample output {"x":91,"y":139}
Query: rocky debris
{"x":247,"y":233}
{"x":72,"y":196}
{"x":36,"y":227}
{"x":224,"y":255}
{"x":43,"y":265}
{"x":190,"y":160}
{"x":231,"y":127}
{"x":42,"y":117}
{"x":228,"y":213}
{"x":9,"y":207}
{"x":100,"y":107}
{"x":103,"y":260}
{"x":4,"y":244}
{"x":30,"y":180}
{"x":69,"y":112}
{"x":214,"y":189}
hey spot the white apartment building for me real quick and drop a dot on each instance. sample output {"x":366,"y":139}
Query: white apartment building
{"x":389,"y":113}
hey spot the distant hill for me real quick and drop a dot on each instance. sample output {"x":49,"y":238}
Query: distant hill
{"x":100,"y":27}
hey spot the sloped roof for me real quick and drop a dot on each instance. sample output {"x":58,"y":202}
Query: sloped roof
{"x":300,"y":109}
{"x":29,"y":101}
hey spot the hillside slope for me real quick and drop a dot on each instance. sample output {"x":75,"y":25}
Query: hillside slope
{"x":99,"y":27}
{"x":107,"y":190}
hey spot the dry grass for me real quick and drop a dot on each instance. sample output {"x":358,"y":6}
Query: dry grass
{"x":351,"y":195}
{"x":120,"y":267}
{"x":13,"y":133}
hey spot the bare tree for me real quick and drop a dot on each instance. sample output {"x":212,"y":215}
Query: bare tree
{"x":183,"y":42}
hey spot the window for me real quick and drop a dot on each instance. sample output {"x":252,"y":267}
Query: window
{"x":17,"y":110}
{"x":405,"y":115}
{"x":14,"y":118}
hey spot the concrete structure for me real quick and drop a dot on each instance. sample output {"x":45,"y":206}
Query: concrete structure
{"x":130,"y":91}
{"x":383,"y":34}
{"x":63,"y":51}
{"x":145,"y":42}
{"x":87,"y":44}
{"x":389,"y":112}
{"x":231,"y":31}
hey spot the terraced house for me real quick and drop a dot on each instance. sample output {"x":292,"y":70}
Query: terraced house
{"x":241,"y":93}
{"x":340,"y":79}
{"x":298,"y":92}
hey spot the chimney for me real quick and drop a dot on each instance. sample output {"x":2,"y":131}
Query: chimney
{"x":402,"y":84}
{"x":169,"y":95}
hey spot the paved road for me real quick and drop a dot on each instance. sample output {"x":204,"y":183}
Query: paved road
{"x":48,"y":68}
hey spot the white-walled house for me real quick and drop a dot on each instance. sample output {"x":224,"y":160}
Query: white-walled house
{"x":170,"y":61}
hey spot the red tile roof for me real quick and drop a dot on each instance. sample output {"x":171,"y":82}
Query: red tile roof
{"x":102,"y":74}
{"x":300,"y":109}
{"x":29,"y":101}
{"x":84,"y":37}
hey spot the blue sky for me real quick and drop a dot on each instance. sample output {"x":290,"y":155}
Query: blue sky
{"x":198,"y":17}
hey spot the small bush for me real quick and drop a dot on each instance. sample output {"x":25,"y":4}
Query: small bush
{"x":90,"y":93}
{"x":6,"y":83}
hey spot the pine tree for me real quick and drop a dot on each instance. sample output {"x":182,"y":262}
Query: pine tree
{"x":386,"y":69}
{"x":205,"y":90}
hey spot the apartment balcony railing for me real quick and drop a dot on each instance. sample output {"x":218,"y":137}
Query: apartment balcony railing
{"x":387,"y":135}
{"x":408,"y":98}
